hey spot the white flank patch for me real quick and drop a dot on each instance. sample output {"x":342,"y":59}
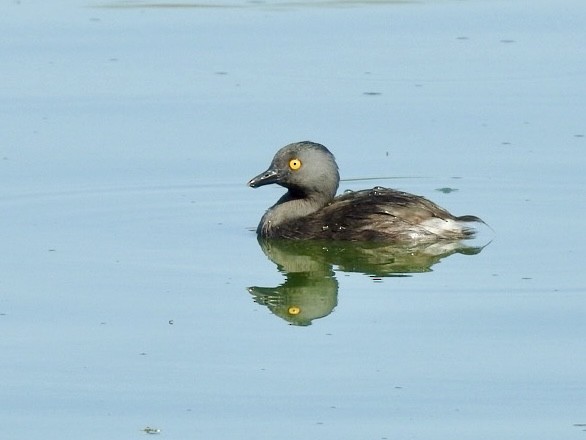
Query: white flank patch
{"x":440,"y":227}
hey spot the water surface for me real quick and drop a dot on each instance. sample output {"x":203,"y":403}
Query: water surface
{"x":133,"y":290}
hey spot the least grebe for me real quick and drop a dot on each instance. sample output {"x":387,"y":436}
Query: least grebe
{"x":311,"y":210}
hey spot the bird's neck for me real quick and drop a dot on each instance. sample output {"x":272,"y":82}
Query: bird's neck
{"x":290,"y":207}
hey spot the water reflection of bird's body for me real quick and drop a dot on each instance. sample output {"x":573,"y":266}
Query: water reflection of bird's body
{"x":310,"y":210}
{"x":377,"y":259}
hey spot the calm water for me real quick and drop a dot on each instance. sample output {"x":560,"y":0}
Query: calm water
{"x":134,"y":294}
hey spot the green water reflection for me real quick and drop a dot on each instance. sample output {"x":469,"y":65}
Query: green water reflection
{"x":310,"y":290}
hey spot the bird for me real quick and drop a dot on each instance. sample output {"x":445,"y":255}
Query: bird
{"x":310,"y":209}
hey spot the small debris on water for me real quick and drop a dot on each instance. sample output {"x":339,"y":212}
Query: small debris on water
{"x":149,"y":430}
{"x":446,"y":190}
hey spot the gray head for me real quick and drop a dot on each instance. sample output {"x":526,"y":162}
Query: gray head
{"x":306,"y":169}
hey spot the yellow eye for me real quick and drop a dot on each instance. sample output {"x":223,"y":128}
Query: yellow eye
{"x":294,"y":164}
{"x":294,"y":310}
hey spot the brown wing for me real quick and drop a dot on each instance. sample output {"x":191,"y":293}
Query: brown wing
{"x":381,"y":214}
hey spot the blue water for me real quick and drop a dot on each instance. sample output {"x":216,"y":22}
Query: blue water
{"x":129,"y":132}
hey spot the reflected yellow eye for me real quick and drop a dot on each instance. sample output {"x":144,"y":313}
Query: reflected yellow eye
{"x":294,"y":310}
{"x":294,"y":164}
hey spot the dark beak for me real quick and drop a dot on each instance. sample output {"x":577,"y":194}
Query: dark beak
{"x":269,"y":176}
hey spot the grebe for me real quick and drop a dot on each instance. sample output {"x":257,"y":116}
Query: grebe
{"x":311,"y":210}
